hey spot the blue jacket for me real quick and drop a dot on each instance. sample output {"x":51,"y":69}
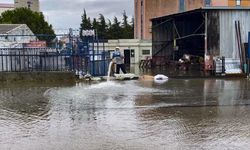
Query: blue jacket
{"x":117,"y":57}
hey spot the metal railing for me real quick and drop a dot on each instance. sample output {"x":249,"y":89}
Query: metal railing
{"x":32,"y":60}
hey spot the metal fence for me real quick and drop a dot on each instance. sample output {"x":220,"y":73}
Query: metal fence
{"x":45,"y":59}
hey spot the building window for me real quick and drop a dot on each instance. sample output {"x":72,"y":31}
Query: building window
{"x":238,"y":2}
{"x":182,"y":5}
{"x":207,"y":3}
{"x":145,"y":52}
{"x":132,"y":53}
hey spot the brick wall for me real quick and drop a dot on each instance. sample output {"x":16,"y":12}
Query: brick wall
{"x":244,"y":3}
{"x":158,"y":8}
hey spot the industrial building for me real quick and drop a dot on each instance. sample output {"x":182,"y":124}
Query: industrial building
{"x":209,"y":32}
{"x":148,"y":9}
{"x":134,"y":50}
{"x":12,"y":35}
{"x":31,"y":4}
{"x":11,"y":41}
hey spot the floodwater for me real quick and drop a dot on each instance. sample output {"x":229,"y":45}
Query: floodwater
{"x":126,"y":115}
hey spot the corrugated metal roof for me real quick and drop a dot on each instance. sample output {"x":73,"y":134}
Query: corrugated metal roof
{"x":202,"y":9}
{"x":5,"y":28}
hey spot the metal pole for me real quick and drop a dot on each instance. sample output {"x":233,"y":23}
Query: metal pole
{"x":32,"y":60}
{"x":239,"y":44}
{"x":57,"y":55}
{"x":2,"y":60}
{"x":45,"y":63}
{"x":104,"y":58}
{"x":174,"y":44}
{"x":93,"y":58}
{"x":205,"y":37}
{"x":11,"y":62}
{"x":53,"y":63}
{"x":20,"y":62}
{"x":248,"y":66}
{"x":223,"y":65}
{"x":28,"y":60}
{"x":6,"y":60}
{"x":15,"y":61}
{"x":62,"y":61}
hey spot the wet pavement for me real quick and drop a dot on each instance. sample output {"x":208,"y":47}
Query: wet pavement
{"x":137,"y":115}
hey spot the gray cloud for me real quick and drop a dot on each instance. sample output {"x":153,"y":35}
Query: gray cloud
{"x":67,"y":13}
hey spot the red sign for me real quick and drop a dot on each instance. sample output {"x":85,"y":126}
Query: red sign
{"x":35,"y":44}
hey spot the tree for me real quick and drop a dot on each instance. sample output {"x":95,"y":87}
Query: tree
{"x":86,"y":23}
{"x":34,"y":20}
{"x":116,"y":30}
{"x":95,"y":25}
{"x":125,"y":26}
{"x":131,"y":30}
{"x":107,"y":29}
{"x":125,"y":20}
{"x":102,"y":27}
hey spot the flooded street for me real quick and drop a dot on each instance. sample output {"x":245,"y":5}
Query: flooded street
{"x":141,"y":115}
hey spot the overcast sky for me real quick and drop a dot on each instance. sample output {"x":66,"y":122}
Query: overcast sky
{"x":63,"y":14}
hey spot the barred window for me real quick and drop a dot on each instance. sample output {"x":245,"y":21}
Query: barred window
{"x":145,"y":52}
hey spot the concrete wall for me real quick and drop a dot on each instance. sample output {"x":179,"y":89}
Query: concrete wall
{"x":34,"y":6}
{"x":128,"y":44}
{"x":132,"y":44}
{"x":37,"y":76}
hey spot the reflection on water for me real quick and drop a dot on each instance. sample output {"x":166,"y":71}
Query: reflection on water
{"x":189,"y":114}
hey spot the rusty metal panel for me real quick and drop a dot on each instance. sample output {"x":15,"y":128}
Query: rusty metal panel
{"x":228,"y":40}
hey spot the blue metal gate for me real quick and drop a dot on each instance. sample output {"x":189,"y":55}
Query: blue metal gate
{"x":82,"y":56}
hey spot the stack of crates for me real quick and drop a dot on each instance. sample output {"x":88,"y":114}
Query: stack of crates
{"x":218,"y":66}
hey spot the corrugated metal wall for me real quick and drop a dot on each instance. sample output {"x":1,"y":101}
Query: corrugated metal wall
{"x":213,"y":36}
{"x":162,"y":37}
{"x":228,"y":40}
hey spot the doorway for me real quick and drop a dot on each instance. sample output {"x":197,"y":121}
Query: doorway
{"x":127,"y":55}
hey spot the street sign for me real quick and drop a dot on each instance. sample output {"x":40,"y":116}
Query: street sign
{"x":88,"y":33}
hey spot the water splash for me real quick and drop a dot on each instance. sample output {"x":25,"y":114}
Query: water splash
{"x":104,"y":89}
{"x":109,"y":70}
